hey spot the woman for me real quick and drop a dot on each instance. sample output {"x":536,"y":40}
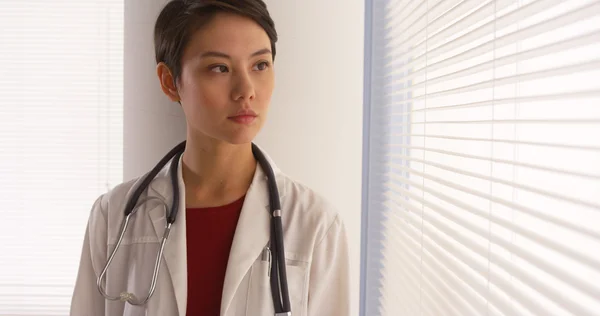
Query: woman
{"x":215,"y":58}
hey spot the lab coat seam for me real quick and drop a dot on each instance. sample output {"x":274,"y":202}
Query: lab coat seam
{"x":292,"y":257}
{"x":102,"y":209}
{"x":135,"y":241}
{"x":99,"y":204}
{"x":249,"y":288}
{"x":303,"y":302}
{"x":335,"y":220}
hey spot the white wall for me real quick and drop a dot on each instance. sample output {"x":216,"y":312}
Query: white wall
{"x":152,"y":124}
{"x":314,"y":129}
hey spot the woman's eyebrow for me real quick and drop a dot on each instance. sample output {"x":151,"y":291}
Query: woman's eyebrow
{"x":223,"y":55}
{"x":263,"y":51}
{"x":214,"y":54}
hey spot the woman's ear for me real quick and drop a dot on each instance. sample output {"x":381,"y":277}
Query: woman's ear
{"x":167,"y":84}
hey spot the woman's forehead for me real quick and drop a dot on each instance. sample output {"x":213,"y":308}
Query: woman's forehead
{"x":230,"y":34}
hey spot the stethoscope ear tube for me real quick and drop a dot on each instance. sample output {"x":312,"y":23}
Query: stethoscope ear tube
{"x":133,"y":199}
{"x":274,"y":202}
{"x":175,"y":184}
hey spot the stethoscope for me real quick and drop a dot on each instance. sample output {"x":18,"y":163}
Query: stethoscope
{"x":278,"y":276}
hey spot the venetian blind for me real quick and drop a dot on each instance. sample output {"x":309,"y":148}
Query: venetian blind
{"x":61,"y":89}
{"x":483,"y":158}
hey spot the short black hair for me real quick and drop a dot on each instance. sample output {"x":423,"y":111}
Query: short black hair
{"x":180,"y":19}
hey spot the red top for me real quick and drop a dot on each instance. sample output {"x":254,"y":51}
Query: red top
{"x":210,"y":234}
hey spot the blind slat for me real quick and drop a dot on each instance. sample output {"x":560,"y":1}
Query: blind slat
{"x":522,"y":77}
{"x":580,"y":95}
{"x":496,"y":160}
{"x":507,"y":141}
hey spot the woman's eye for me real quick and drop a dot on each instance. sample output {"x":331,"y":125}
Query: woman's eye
{"x":220,"y":69}
{"x":262,"y":65}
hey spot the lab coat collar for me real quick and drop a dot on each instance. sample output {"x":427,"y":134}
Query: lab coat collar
{"x":251,"y":236}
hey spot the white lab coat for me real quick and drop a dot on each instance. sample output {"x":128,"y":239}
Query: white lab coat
{"x":316,"y":252}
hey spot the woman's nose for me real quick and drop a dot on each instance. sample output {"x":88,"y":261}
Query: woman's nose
{"x":243,"y":88}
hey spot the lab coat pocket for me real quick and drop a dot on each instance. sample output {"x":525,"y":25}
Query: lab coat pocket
{"x":260,"y":300}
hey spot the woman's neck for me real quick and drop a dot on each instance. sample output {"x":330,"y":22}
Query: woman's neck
{"x":216,"y":173}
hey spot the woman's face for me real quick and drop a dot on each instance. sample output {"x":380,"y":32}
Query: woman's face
{"x":227,"y":79}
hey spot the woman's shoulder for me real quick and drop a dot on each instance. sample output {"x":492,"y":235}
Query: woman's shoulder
{"x":114,"y":196}
{"x":305,"y":205}
{"x":311,"y":200}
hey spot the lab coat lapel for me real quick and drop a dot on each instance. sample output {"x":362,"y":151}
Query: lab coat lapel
{"x":175,"y":252}
{"x":251,"y":236}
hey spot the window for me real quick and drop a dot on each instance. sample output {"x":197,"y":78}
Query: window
{"x":482,"y":187}
{"x":61,"y":90}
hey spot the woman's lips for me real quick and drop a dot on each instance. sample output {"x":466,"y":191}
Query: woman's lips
{"x":243,"y":119}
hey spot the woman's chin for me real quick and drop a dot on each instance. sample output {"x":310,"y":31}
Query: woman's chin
{"x":233,"y":136}
{"x":239,"y":137}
